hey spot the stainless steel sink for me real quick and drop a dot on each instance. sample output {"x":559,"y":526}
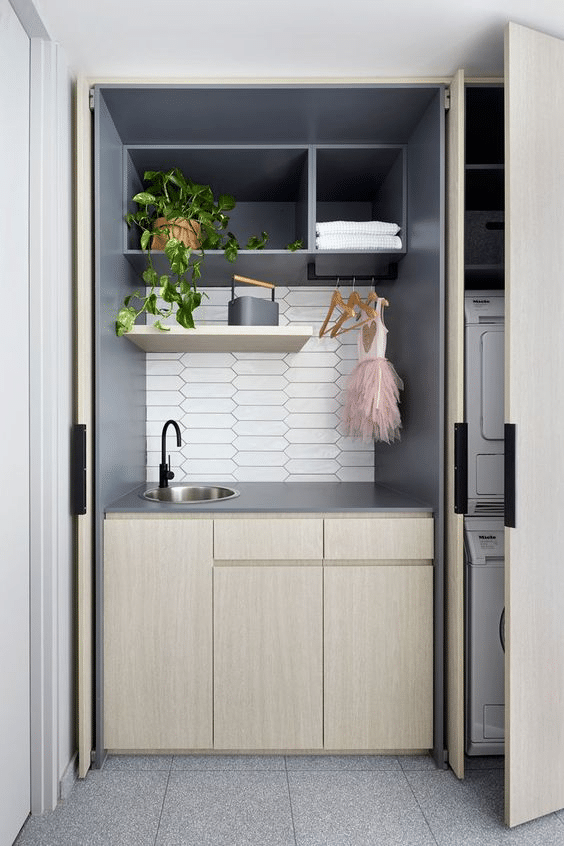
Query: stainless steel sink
{"x":189,"y":493}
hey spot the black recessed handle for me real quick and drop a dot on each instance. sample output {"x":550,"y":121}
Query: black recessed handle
{"x":78,"y":469}
{"x":509,"y":433}
{"x":460,"y":468}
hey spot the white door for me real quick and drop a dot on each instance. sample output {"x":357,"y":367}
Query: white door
{"x":14,"y":428}
{"x":534,"y":159}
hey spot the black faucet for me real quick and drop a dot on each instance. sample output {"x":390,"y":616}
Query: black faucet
{"x":165,"y":473}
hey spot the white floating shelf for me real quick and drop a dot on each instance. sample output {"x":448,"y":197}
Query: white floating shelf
{"x":221,"y":338}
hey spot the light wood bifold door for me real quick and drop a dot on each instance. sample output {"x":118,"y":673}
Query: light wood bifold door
{"x":534,"y":404}
{"x":534,"y":557}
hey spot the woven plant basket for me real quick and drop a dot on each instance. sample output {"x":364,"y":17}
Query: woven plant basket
{"x":187,"y":231}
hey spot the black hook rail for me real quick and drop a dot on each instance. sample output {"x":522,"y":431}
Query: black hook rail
{"x":391,"y":275}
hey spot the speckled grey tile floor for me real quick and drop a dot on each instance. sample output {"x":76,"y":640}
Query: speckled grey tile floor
{"x":273,"y":800}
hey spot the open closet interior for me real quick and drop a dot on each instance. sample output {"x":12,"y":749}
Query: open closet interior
{"x":293,"y":156}
{"x":482,"y":500}
{"x":484,"y":189}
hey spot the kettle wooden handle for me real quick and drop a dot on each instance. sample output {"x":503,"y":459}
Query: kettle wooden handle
{"x":253,"y":281}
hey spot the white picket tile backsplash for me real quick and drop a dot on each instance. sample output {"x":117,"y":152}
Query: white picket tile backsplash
{"x":260,"y":459}
{"x":260,"y":412}
{"x":209,"y":389}
{"x":259,"y":416}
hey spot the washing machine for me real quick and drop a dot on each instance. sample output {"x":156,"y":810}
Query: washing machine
{"x":485,"y":635}
{"x":484,"y":399}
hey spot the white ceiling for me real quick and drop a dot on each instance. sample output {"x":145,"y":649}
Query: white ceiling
{"x":290,"y":38}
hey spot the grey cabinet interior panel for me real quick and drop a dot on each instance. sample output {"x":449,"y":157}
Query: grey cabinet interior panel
{"x":243,"y":114}
{"x":119,"y":379}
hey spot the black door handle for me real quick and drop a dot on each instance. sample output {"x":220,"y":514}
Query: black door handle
{"x":509,"y":475}
{"x":78,"y":469}
{"x":460,"y":468}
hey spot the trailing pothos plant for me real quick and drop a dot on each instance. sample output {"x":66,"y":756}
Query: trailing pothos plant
{"x":169,"y":200}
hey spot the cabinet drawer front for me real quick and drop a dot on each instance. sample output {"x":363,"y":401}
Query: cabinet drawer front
{"x":268,"y":540}
{"x":379,"y":538}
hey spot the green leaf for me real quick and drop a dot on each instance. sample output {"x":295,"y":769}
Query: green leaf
{"x":196,"y":271}
{"x":295,"y":245}
{"x":144,"y":198}
{"x":150,"y":276}
{"x":184,"y":317}
{"x":125,"y":320}
{"x":145,"y":238}
{"x":178,"y":255}
{"x":256,"y":243}
{"x":213,"y":241}
{"x":169,"y":292}
{"x":226,"y":202}
{"x":231,"y":248}
{"x":158,"y":325}
{"x":151,"y":304}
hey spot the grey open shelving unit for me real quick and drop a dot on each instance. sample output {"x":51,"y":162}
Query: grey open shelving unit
{"x":284,"y":190}
{"x":291,"y":154}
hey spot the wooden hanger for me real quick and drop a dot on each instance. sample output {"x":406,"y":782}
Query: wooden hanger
{"x":337,"y":302}
{"x":364,"y":306}
{"x":354,"y":301}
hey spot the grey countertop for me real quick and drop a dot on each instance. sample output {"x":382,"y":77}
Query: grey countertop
{"x":314,"y":497}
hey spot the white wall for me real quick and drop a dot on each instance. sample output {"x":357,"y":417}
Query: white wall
{"x":14,"y":427}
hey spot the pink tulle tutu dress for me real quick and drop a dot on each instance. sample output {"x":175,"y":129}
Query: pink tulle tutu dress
{"x":371,"y":407}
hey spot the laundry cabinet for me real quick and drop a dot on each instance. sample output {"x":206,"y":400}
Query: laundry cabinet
{"x":269,"y":632}
{"x":292,"y":155}
{"x":533,"y":180}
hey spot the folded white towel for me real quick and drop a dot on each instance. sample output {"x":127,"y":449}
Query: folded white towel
{"x":358,"y":242}
{"x":356,"y":227}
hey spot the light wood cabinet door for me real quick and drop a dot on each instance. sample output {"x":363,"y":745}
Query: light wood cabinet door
{"x":268,"y":677}
{"x":158,"y":634}
{"x":378,"y":653}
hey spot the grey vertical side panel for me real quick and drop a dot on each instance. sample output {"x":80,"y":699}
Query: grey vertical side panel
{"x":415,"y":321}
{"x":119,"y":377}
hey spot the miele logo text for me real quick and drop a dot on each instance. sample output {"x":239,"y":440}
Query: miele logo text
{"x":487,"y":537}
{"x":480,"y":301}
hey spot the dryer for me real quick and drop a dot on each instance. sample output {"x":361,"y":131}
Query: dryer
{"x":484,"y":399}
{"x":485,"y":635}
